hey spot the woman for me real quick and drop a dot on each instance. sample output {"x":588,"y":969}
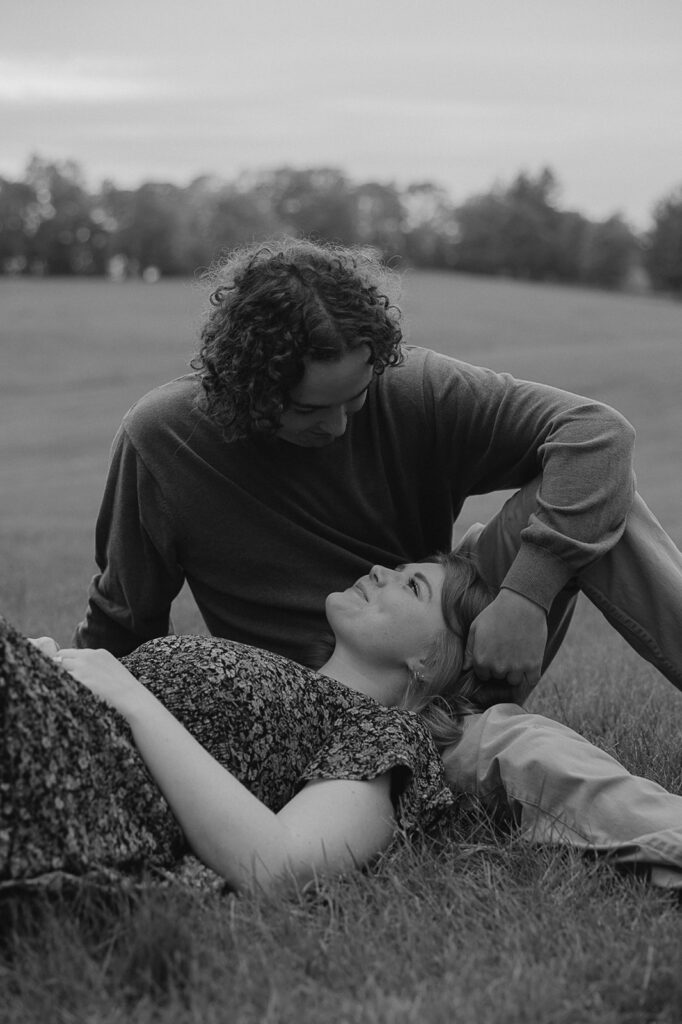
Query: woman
{"x":269,"y":771}
{"x":264,"y":769}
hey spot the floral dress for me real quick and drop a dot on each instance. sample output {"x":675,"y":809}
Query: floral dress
{"x":76,"y":797}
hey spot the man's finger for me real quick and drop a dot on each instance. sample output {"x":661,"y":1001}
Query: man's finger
{"x":485,"y":694}
{"x":493,"y":672}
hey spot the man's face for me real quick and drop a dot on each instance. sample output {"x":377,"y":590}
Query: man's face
{"x":319,"y":406}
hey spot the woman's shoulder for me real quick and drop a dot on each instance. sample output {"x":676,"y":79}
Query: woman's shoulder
{"x":228,"y":654}
{"x":195,"y":659}
{"x":369,"y":740}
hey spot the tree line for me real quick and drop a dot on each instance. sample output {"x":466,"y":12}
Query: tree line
{"x":51,"y":223}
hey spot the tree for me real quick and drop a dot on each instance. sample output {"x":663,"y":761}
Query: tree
{"x":480,"y":246}
{"x":232,"y":214}
{"x":380,"y":218}
{"x":663,"y":250}
{"x":198,"y":223}
{"x":17,"y":201}
{"x":316,"y":202}
{"x":572,"y":237}
{"x":60,"y":227}
{"x":148,"y":226}
{"x":50,"y":223}
{"x":531,"y":227}
{"x":430,"y":226}
{"x":609,"y":253}
{"x":516,"y":231}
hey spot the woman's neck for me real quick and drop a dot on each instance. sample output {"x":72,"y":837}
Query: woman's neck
{"x":385,"y":685}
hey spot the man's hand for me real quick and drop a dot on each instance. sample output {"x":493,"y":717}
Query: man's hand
{"x":507,"y":642}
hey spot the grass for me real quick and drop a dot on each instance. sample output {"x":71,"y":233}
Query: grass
{"x":471,"y":927}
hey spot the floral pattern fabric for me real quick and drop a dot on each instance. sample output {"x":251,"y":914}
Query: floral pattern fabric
{"x":76,"y":797}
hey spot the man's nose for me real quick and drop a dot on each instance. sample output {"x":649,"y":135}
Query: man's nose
{"x":336,"y":420}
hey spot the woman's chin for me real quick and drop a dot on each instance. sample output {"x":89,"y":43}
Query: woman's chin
{"x":343,"y":606}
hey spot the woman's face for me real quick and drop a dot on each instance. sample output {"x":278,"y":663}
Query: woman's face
{"x":390,"y":616}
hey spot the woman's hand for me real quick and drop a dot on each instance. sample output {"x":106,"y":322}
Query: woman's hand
{"x":46,"y":645}
{"x":104,"y":675}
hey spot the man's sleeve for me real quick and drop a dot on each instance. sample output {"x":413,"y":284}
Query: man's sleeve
{"x":139,"y":576}
{"x":503,"y":433}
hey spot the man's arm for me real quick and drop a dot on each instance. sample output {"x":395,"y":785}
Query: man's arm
{"x":504,"y":433}
{"x":130,"y":598}
{"x":329,"y":826}
{"x":495,"y":432}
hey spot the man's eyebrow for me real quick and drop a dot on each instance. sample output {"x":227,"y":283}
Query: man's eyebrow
{"x":305,"y":405}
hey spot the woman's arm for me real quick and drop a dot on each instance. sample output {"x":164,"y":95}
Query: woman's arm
{"x":329,"y":826}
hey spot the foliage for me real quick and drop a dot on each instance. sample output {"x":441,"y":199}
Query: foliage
{"x":51,"y":224}
{"x":663,"y":253}
{"x":520,"y":232}
{"x":608,"y":253}
{"x":17,"y":217}
{"x":514,"y":230}
{"x":46,"y":222}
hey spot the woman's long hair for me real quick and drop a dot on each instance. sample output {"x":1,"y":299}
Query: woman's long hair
{"x":441,"y":691}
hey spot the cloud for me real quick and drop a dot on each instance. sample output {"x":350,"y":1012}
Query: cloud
{"x":78,"y":80}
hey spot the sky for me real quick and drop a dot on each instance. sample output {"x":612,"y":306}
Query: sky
{"x":464,"y":93}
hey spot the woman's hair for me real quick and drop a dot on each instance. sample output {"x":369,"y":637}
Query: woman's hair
{"x":277,"y":304}
{"x":441,"y":691}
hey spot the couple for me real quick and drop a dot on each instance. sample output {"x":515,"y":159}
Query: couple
{"x":309,"y":445}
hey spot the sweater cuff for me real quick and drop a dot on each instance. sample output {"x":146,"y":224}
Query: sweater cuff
{"x":537,"y":574}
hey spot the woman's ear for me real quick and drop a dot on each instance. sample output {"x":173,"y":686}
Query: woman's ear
{"x":416,"y":666}
{"x":416,"y":663}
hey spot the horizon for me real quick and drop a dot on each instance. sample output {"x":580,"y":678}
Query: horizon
{"x":400,"y":93}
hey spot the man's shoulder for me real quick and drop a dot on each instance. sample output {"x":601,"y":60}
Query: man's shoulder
{"x":175,"y":399}
{"x":167,"y":408}
{"x":424,"y":368}
{"x":419,"y":361}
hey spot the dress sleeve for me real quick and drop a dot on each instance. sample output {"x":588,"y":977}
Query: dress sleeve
{"x":364,"y":745}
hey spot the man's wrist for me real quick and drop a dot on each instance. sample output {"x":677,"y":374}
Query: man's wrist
{"x":537,"y":575}
{"x":513,"y":597}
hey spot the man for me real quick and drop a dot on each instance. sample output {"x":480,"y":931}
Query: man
{"x":310,"y":444}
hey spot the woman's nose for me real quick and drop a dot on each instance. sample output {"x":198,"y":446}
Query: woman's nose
{"x":380,"y":575}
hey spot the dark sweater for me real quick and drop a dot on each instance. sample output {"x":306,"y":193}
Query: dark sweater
{"x":263,"y":530}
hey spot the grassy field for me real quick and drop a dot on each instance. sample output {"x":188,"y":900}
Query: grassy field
{"x":477,"y":928}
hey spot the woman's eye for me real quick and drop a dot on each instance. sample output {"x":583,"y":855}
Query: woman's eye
{"x":414,"y":585}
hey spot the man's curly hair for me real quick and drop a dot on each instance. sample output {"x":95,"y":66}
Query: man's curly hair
{"x":277,"y":304}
